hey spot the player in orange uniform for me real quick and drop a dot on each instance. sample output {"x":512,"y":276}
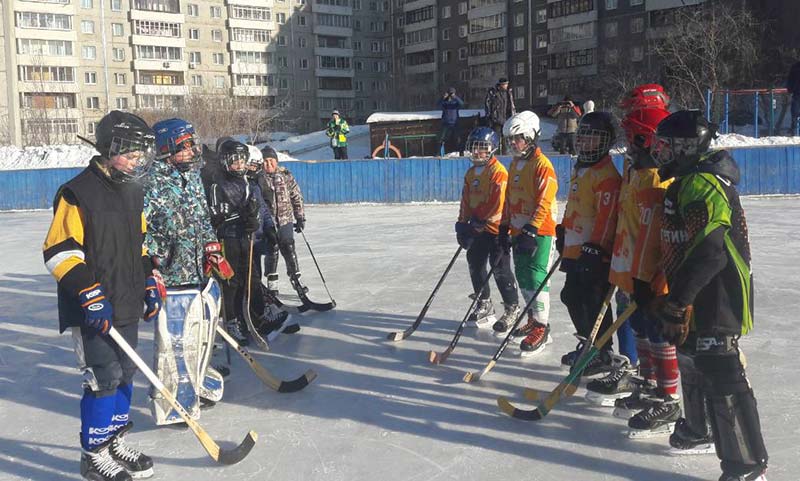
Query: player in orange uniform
{"x":529,"y":225}
{"x":589,"y":226}
{"x":476,"y":230}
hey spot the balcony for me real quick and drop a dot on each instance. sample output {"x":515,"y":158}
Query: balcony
{"x":339,"y":94}
{"x":252,"y":3}
{"x":413,"y":27}
{"x":254,"y":24}
{"x":253,"y":68}
{"x":142,"y":89}
{"x":40,"y":86}
{"x":43,"y":34}
{"x":421,"y":68}
{"x":333,"y":52}
{"x":333,"y":31}
{"x":157,"y":16}
{"x":417,"y":4}
{"x":335,"y":9}
{"x":581,"y":44}
{"x":158,"y":41}
{"x":484,"y":59}
{"x":494,"y":9}
{"x":487,"y":34}
{"x":48,"y":7}
{"x":156,"y":64}
{"x":582,"y":71}
{"x":252,"y":46}
{"x":420,"y":47}
{"x":254,"y":91}
{"x":48,"y":61}
{"x":334,"y":72}
{"x":573,"y":19}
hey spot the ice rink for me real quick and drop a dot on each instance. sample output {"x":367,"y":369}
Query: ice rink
{"x":378,"y":410}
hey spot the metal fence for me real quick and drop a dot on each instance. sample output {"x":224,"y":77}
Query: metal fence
{"x":753,"y":112}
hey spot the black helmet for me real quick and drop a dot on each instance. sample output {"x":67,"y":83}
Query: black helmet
{"x":230,"y":152}
{"x":595,"y":137}
{"x":120,"y":133}
{"x":681,"y":139}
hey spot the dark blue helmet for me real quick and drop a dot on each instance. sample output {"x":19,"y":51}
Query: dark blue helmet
{"x":174,"y":136}
{"x":482,"y":144}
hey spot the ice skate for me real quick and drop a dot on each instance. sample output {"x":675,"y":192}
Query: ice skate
{"x":99,"y":465}
{"x":759,"y":474}
{"x":483,"y":315}
{"x":507,"y":320}
{"x":136,"y":463}
{"x":237,"y":331}
{"x":536,"y":340}
{"x":656,"y":420}
{"x":639,"y":399}
{"x":685,"y":442}
{"x":619,"y":383}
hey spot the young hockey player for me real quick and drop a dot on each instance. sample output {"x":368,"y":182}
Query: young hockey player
{"x":529,"y":226}
{"x":706,"y":258}
{"x":95,"y":250}
{"x":481,"y":210}
{"x":235,"y":216}
{"x":589,"y":226}
{"x":183,"y":245}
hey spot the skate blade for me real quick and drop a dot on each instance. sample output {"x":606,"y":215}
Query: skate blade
{"x":605,"y":400}
{"x":147,"y":473}
{"x":503,"y":334}
{"x":700,"y":449}
{"x":622,"y":413}
{"x":481,"y":323}
{"x":663,"y":430}
{"x":524,"y":354}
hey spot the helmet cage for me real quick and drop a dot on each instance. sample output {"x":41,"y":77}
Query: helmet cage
{"x":236,"y":157}
{"x":480,"y":150}
{"x":592,"y":144}
{"x":530,"y":143}
{"x":134,"y":146}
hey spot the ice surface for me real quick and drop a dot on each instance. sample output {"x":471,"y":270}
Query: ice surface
{"x":379,"y":410}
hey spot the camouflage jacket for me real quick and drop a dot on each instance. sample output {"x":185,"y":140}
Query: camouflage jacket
{"x":178,"y":223}
{"x":282,"y":196}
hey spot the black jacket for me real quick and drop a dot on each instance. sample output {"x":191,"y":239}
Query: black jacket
{"x":237,"y":194}
{"x":793,"y":81}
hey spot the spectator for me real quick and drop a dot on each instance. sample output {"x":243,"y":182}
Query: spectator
{"x":450,"y":103}
{"x":499,"y":107}
{"x":567,"y":114}
{"x":793,"y":86}
{"x":337,"y":130}
{"x":588,"y":107}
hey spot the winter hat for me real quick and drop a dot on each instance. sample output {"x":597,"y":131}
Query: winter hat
{"x":268,"y":152}
{"x":502,"y":80}
{"x":335,"y":112}
{"x":451,"y":90}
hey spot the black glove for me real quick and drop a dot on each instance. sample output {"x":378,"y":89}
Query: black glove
{"x":270,"y":234}
{"x":593,"y":264}
{"x":672,"y":318}
{"x":252,"y":220}
{"x":464,"y":235}
{"x":504,"y":238}
{"x":477,"y":225}
{"x":642,"y":293}
{"x":337,"y":127}
{"x":299,"y":225}
{"x":220,"y":213}
{"x":560,"y":238}
{"x":526,"y":243}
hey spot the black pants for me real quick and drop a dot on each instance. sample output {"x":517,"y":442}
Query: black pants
{"x":486,"y":248}
{"x":237,"y":252}
{"x":567,"y":144}
{"x":282,"y":242}
{"x":105,"y":366}
{"x":583,"y":301}
{"x":340,"y":153}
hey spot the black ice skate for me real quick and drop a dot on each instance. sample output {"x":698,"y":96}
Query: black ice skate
{"x":483,"y":315}
{"x":536,"y":340}
{"x":638,"y":400}
{"x":507,"y":320}
{"x":684,"y":441}
{"x":758,"y":474}
{"x":619,"y":383}
{"x":568,"y":360}
{"x":237,"y":331}
{"x":656,"y":420}
{"x":298,"y":286}
{"x":98,"y":465}
{"x":272,"y":285}
{"x":136,"y":463}
{"x":275,"y":322}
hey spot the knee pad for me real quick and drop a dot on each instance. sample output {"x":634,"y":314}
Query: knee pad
{"x":695,"y":408}
{"x":737,"y":431}
{"x":103,"y":380}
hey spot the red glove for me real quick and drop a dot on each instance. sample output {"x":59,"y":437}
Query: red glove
{"x":215,"y":263}
{"x":162,"y":288}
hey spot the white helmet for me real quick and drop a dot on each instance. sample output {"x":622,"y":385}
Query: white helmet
{"x":525,"y":124}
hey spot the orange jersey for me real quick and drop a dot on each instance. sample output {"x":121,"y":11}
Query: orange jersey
{"x":531,"y":197}
{"x":591,"y":207}
{"x":483,"y":194}
{"x":636,"y":245}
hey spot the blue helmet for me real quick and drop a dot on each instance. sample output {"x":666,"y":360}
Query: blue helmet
{"x":174,"y":136}
{"x":482,"y":144}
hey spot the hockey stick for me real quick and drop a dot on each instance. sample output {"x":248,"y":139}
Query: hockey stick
{"x":262,"y":373}
{"x":475,"y":376}
{"x":558,"y":393}
{"x":314,"y":258}
{"x":438,"y":358}
{"x":262,"y":343}
{"x":399,"y":336}
{"x":534,"y":395}
{"x":223,"y":456}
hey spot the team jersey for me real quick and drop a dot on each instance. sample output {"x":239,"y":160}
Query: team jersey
{"x":590,"y":215}
{"x":531,"y":196}
{"x":483,"y":194}
{"x":637,"y":247}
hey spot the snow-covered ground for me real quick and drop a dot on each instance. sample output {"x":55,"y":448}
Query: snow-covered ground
{"x":379,"y":410}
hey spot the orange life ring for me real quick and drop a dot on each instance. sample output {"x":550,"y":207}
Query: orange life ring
{"x":382,"y":148}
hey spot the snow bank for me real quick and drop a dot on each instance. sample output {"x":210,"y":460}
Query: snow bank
{"x":423,"y":115}
{"x":739,"y":140}
{"x":45,"y":157}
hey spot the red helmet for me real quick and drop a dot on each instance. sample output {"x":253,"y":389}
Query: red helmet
{"x":640,"y":125}
{"x":645,"y":96}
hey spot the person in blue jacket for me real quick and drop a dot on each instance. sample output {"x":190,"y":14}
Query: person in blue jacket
{"x":450,"y":103}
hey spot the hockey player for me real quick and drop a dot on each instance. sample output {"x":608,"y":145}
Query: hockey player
{"x":481,"y":210}
{"x":95,"y":250}
{"x":529,"y":226}
{"x":706,"y":258}
{"x":589,"y":225}
{"x":235,"y":216}
{"x":183,"y":244}
{"x":285,"y":202}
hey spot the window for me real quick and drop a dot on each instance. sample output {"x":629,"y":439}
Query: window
{"x":636,"y":2}
{"x":462,"y":8}
{"x":463,"y":52}
{"x":93,"y":103}
{"x":420,"y":36}
{"x":117,"y":30}
{"x":281,"y":17}
{"x":87,"y":26}
{"x":158,"y":53}
{"x":541,"y":15}
{"x":541,"y":65}
{"x":194,"y":34}
{"x":90,"y":126}
{"x":572,"y":32}
{"x":637,"y":25}
{"x":519,"y":92}
{"x":357,"y":25}
{"x":445,"y":34}
{"x":116,"y":5}
{"x":28,"y":73}
{"x":283,"y":61}
{"x":376,"y":47}
{"x":122,"y":103}
{"x":519,"y":19}
{"x":446,"y":11}
{"x":281,"y":40}
{"x":218,"y":58}
{"x":301,"y":20}
{"x":47,"y":100}
{"x":356,"y":4}
{"x":89,"y":52}
{"x":401,"y":41}
{"x":637,"y":53}
{"x":337,"y":63}
{"x":488,"y":47}
{"x":48,"y":21}
{"x":611,"y":4}
{"x":303,"y":64}
{"x":90,"y":78}
{"x":87,"y":4}
{"x":541,"y":90}
{"x":118,"y":54}
{"x":611,"y":29}
{"x":302,"y":42}
{"x":160,"y":78}
{"x":463,"y":30}
{"x":193,"y":10}
{"x":250,"y":35}
{"x":519,"y":44}
{"x":283,"y":83}
{"x":446,"y":56}
{"x":357,"y":45}
{"x":569,"y":7}
{"x":194,"y":57}
{"x":519,"y":68}
{"x":574,"y":58}
{"x":401,"y":21}
{"x":119,"y":78}
{"x":216,"y":35}
{"x":359,"y":65}
{"x":541,"y":40}
{"x":157,"y":29}
{"x":216,"y":12}
{"x":45,"y":48}
{"x":219,"y":82}
{"x":359,"y":86}
{"x":490,"y":22}
{"x":306,"y":85}
{"x":197,"y":80}
{"x":612,"y":56}
{"x":463,"y":75}
{"x":419,"y":15}
{"x":250,"y":13}
{"x":253,"y":57}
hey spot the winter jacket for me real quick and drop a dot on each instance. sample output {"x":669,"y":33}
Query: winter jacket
{"x":793,"y":82}
{"x":337,"y":131}
{"x":178,"y":222}
{"x":450,"y":107}
{"x":282,"y":196}
{"x":705,"y":247}
{"x":483,"y":194}
{"x":234,"y":207}
{"x":499,"y":105}
{"x":567,"y":116}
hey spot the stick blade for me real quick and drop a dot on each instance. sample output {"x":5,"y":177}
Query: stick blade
{"x":532,"y":394}
{"x":298,"y":384}
{"x":400,"y":335}
{"x":233,"y":456}
{"x":517,"y":413}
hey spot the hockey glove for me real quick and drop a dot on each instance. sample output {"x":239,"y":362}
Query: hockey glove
{"x":464,"y":235}
{"x":477,"y":225}
{"x":642,"y":293}
{"x":97,"y":308}
{"x":215,"y":263}
{"x":560,"y":239}
{"x":270,"y":234}
{"x":526,"y":243}
{"x":154,"y":294}
{"x":593,"y":264}
{"x":672,"y":318}
{"x":299,"y":225}
{"x":504,"y":238}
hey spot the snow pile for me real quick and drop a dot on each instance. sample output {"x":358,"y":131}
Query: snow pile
{"x":422,"y":115}
{"x":739,"y":140}
{"x":45,"y":157}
